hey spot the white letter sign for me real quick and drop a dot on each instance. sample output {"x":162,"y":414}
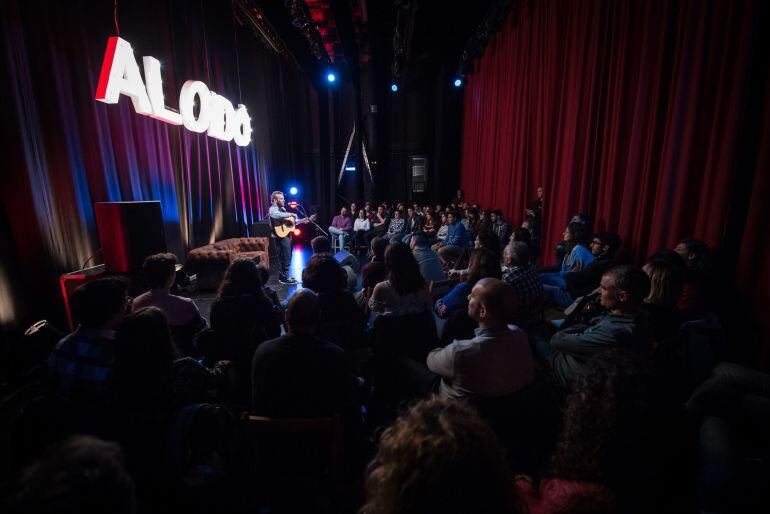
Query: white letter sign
{"x":120,"y":75}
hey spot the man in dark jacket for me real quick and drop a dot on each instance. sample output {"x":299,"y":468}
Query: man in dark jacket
{"x":622,"y":292}
{"x":585,"y":281}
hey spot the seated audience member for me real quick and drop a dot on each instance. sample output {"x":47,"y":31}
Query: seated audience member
{"x":81,"y":364}
{"x":242,"y":318}
{"x":456,"y":242}
{"x":353,"y":208}
{"x":498,"y":360}
{"x":585,"y":281}
{"x":396,"y":227}
{"x":500,"y":227}
{"x":666,"y":282}
{"x":297,"y":374}
{"x":459,"y":197}
{"x":577,"y":237}
{"x":379,"y":224}
{"x":342,"y":226}
{"x":320,"y":244}
{"x":438,"y":209}
{"x":443,"y":229}
{"x":561,"y":248}
{"x":429,"y":226}
{"x":375,"y":271}
{"x":485,"y":239}
{"x":622,"y":292}
{"x":405,"y":291}
{"x":361,"y":226}
{"x":270,"y":293}
{"x":413,"y":224}
{"x":82,"y":474}
{"x":522,"y":276}
{"x":692,"y":304}
{"x":483,"y":264}
{"x":440,"y":457}
{"x":183,"y":317}
{"x":150,"y":374}
{"x":340,"y":322}
{"x":532,"y":225}
{"x":622,"y":447}
{"x":427,"y":259}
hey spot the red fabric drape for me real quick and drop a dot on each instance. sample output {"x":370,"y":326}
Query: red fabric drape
{"x":630,"y":111}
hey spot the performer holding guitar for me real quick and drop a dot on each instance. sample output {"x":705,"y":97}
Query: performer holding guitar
{"x":283,"y":224}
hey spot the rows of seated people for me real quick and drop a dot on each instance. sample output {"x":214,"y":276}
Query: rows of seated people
{"x":462,"y":379}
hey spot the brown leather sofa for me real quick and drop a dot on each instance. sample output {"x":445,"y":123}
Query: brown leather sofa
{"x":210,"y":262}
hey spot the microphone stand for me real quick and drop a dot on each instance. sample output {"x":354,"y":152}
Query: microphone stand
{"x":304,"y":215}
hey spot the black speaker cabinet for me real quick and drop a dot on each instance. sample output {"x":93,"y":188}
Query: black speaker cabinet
{"x":129,"y":232}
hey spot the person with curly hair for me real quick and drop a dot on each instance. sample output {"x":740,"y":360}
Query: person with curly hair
{"x":440,"y":457}
{"x":622,"y":445}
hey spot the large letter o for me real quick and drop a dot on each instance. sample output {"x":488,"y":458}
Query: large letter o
{"x":187,"y":103}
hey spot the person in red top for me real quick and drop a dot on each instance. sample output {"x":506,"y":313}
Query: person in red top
{"x":342,"y":226}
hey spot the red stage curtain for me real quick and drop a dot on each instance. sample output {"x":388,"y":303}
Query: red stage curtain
{"x":635,"y":112}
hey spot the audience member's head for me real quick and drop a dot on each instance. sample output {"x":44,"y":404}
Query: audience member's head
{"x":101,"y":303}
{"x":444,"y":218}
{"x":483,"y":263}
{"x":618,"y":426}
{"x":666,"y":282}
{"x":379,"y":244}
{"x":577,"y":234}
{"x":159,"y":270}
{"x":264,"y":274}
{"x":409,"y":212}
{"x":303,"y":312}
{"x":517,"y":254}
{"x":452,"y":216}
{"x":581,"y":218}
{"x":144,"y":352}
{"x":361,"y":214}
{"x":488,"y":239}
{"x":403,"y":271}
{"x":320,"y":244}
{"x":671,"y":257}
{"x":419,"y":240}
{"x":522,"y":235}
{"x":496,"y":215}
{"x":241,"y":278}
{"x":605,"y":244}
{"x":397,"y":213}
{"x":532,"y":225}
{"x":696,"y":254}
{"x":492,"y":303}
{"x":323,"y":274}
{"x":460,"y":195}
{"x":82,"y":475}
{"x":624,"y":288}
{"x":440,"y":457}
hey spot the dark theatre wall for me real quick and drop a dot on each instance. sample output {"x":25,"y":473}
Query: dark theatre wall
{"x":63,"y":151}
{"x":653,"y":117}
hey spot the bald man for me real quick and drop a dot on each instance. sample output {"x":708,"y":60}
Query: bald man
{"x":297,"y":374}
{"x":498,"y":360}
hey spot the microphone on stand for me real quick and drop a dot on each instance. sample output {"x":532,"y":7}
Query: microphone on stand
{"x":302,"y":211}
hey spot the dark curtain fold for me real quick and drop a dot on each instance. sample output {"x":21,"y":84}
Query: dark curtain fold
{"x":636,"y":113}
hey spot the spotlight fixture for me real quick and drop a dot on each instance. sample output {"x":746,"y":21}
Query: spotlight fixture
{"x":394,"y":87}
{"x":331,"y":77}
{"x":293,"y":190}
{"x":458,"y":82}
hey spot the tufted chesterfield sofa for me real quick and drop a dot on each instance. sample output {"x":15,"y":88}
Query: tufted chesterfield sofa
{"x":210,"y":262}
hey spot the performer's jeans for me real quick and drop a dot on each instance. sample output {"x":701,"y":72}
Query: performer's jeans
{"x":284,"y":256}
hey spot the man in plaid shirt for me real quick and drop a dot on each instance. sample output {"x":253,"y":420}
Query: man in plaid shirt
{"x":81,"y":364}
{"x":522,"y":275}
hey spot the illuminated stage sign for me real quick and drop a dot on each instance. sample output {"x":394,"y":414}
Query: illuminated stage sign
{"x":216,"y":115}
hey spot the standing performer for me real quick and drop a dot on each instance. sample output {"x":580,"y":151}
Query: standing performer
{"x":283,"y":223}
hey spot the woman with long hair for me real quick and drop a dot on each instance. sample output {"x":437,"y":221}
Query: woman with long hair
{"x":483,"y":263}
{"x":666,"y":284}
{"x":577,"y":238}
{"x":405,"y":291}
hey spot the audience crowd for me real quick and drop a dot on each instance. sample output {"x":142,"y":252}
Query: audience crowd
{"x":461,"y":375}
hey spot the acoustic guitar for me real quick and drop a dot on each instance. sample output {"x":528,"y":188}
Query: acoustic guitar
{"x":286,"y":226}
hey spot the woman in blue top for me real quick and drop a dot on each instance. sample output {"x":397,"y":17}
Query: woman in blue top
{"x":577,"y":237}
{"x":483,"y":263}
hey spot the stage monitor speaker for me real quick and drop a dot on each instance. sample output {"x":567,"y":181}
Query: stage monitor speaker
{"x":261,"y":229}
{"x":129,"y":232}
{"x":345,"y":258}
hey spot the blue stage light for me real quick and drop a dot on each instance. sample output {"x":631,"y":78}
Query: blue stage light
{"x":331,"y":77}
{"x":394,"y":87}
{"x":293,"y":190}
{"x":458,"y":82}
